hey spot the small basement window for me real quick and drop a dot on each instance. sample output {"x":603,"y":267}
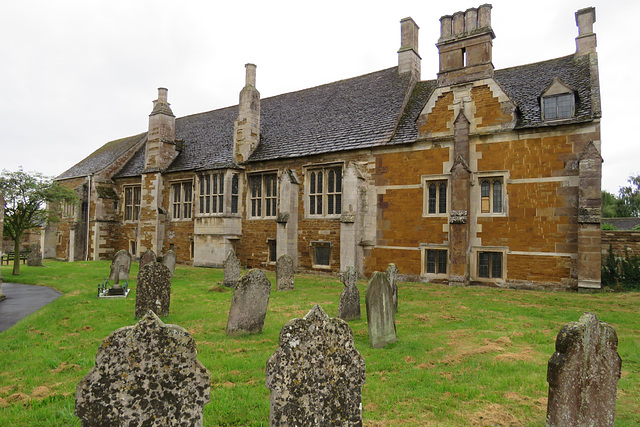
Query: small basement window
{"x":321,"y":253}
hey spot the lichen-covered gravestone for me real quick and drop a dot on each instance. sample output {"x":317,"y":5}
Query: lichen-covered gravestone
{"x":231,"y":270}
{"x":316,"y":374}
{"x":392,"y":275}
{"x":284,"y":273}
{"x":154,"y":290}
{"x":583,"y":374}
{"x":381,"y":317}
{"x":147,"y":258}
{"x":146,"y":374}
{"x":169,"y":261}
{"x":249,"y":304}
{"x":34,"y":259}
{"x":349,"y":303}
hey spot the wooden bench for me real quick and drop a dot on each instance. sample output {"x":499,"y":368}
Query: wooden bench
{"x":10,"y":256}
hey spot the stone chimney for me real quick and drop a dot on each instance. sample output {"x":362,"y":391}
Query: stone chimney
{"x":586,"y":40}
{"x":408,"y":57}
{"x":246,"y":136}
{"x":464,"y":46}
{"x":161,"y":139}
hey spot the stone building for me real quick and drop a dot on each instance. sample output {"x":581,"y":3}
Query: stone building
{"x":477,"y":175}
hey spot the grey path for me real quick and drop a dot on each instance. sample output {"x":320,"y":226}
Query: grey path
{"x":21,"y":301}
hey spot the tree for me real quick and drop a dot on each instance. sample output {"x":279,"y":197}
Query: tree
{"x":28,"y":196}
{"x":609,"y":205}
{"x":630,"y":196}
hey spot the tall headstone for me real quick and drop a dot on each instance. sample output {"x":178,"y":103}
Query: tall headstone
{"x":231,"y":270}
{"x":249,"y":304}
{"x":583,"y":374}
{"x":381,"y":317}
{"x":154,"y":290}
{"x":349,"y":303}
{"x":147,"y":258}
{"x":284,"y":273}
{"x":120,"y":266}
{"x":316,"y":374}
{"x":392,"y":275}
{"x":34,"y":259}
{"x":169,"y":261}
{"x":146,"y":374}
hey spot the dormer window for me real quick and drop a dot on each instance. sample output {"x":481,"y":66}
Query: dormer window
{"x":558,"y":101}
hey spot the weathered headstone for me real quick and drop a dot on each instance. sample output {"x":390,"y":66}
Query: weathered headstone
{"x":231,"y":270}
{"x":146,"y":374}
{"x":154,"y":290}
{"x":249,"y":304}
{"x":284,"y":273}
{"x":147,"y":258}
{"x":120,"y":267}
{"x":34,"y":259}
{"x":169,"y":261}
{"x":349,"y":303}
{"x":583,"y":374}
{"x":392,"y":275}
{"x":316,"y":374}
{"x":381,"y":316}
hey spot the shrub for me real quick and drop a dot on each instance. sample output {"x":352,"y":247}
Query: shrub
{"x":621,"y":273}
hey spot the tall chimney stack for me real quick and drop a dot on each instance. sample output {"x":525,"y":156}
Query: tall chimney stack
{"x":408,"y":57}
{"x":586,"y":40}
{"x":161,"y":138}
{"x":246,"y":136}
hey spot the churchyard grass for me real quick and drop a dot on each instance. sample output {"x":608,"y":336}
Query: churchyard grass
{"x":464,"y":356}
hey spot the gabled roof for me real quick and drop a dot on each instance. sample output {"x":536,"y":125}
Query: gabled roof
{"x":102,"y":157}
{"x":361,"y":112}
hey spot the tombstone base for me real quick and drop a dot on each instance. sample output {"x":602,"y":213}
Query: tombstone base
{"x":108,"y":293}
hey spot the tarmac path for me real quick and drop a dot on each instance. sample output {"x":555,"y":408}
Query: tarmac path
{"x":21,"y":301}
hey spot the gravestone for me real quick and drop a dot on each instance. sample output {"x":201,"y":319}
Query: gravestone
{"x":154,"y":290}
{"x":316,"y":374}
{"x":147,"y":258}
{"x":583,"y":374}
{"x":249,"y":304}
{"x":231,"y":270}
{"x":120,"y":267}
{"x":392,"y":275}
{"x":284,"y":273}
{"x":146,"y":374}
{"x":34,"y":259}
{"x":349,"y":303}
{"x":169,"y":261}
{"x":381,"y":317}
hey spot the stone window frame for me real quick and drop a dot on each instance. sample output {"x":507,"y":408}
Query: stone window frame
{"x":68,"y":210}
{"x":181,"y":204}
{"x":426,"y":180}
{"x":424,"y":249}
{"x":477,"y":195}
{"x":229,"y":198}
{"x":265,"y":196}
{"x":211,"y":191}
{"x":325,"y":194}
{"x":272,"y":251}
{"x":314,"y":245}
{"x":134,"y":207}
{"x":475,"y":264}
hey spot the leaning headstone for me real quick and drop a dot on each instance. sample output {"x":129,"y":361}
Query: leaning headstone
{"x":146,"y":374}
{"x":34,"y":259}
{"x":284,"y":273}
{"x":120,"y":267}
{"x":231,"y":270}
{"x":316,"y":374}
{"x":154,"y":290}
{"x":381,"y":316}
{"x":392,"y":275}
{"x":147,"y":258}
{"x":349,"y":303}
{"x":583,"y":374}
{"x":249,"y":304}
{"x":169,"y":261}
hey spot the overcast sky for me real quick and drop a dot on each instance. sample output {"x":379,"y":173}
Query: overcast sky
{"x":76,"y":74}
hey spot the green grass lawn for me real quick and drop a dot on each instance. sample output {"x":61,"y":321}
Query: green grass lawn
{"x":464,"y":356}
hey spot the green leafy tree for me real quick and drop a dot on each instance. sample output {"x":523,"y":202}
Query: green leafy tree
{"x":609,"y":205}
{"x":28,"y":196}
{"x":630,"y":197}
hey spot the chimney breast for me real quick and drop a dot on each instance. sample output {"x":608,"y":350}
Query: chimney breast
{"x":251,"y":74}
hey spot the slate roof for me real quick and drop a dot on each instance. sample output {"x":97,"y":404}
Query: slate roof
{"x":102,"y":157}
{"x":356,"y":113}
